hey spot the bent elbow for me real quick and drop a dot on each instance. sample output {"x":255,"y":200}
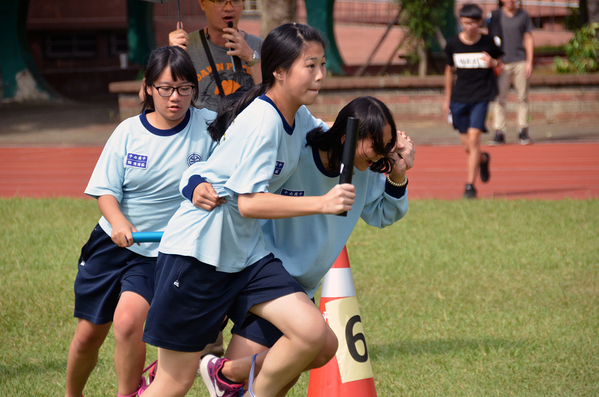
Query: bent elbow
{"x":245,"y":208}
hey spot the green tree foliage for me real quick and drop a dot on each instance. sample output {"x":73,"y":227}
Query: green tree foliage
{"x":426,"y":21}
{"x":582,"y":51}
{"x":424,"y":17}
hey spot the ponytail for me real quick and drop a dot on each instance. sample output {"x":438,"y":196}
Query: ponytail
{"x":230,"y":106}
{"x":248,"y":97}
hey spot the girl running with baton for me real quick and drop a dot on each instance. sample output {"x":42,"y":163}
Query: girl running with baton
{"x":308,"y":246}
{"x":214,"y":264}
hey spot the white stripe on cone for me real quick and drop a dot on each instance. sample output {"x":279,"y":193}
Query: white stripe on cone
{"x":338,"y":283}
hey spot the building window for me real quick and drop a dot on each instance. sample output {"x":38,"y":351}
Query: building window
{"x":117,"y":44}
{"x":71,"y":45}
{"x":252,"y":7}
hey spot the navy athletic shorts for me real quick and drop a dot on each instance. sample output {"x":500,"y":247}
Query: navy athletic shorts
{"x":469,"y":115}
{"x":260,"y":331}
{"x":192,"y":299}
{"x":106,"y":270}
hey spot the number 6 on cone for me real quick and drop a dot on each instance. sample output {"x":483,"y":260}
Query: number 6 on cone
{"x":349,"y":373}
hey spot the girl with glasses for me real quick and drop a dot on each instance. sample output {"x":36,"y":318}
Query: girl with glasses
{"x":135,"y":182}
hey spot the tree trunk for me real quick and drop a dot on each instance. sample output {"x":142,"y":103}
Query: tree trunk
{"x":422,"y":59}
{"x":593,"y":8}
{"x":275,"y":13}
{"x":21,"y":81}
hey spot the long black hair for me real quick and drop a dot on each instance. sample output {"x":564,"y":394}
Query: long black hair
{"x":226,"y":107}
{"x":283,"y":45}
{"x":181,"y":69}
{"x":374,"y":115}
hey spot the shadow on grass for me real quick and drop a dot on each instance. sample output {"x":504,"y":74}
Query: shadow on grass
{"x":441,"y":346}
{"x":25,"y":369}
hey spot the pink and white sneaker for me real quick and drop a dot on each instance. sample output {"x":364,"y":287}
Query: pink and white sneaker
{"x":152,"y":373}
{"x":209,"y":368}
{"x":143,"y":384}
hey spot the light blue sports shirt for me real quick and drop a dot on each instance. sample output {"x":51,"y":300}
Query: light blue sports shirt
{"x":258,"y":152}
{"x":141,"y":166}
{"x":309,"y":245}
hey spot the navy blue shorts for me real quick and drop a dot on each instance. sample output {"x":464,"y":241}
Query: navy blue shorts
{"x":192,"y":299}
{"x":105,"y":271}
{"x":260,"y":331}
{"x":469,"y":115}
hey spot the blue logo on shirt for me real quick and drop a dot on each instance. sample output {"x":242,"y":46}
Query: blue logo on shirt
{"x":137,"y":160}
{"x":279,"y":167}
{"x":193,"y":158}
{"x":293,"y":193}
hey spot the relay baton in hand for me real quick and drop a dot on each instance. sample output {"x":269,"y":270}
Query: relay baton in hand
{"x":147,"y":237}
{"x":349,"y":152}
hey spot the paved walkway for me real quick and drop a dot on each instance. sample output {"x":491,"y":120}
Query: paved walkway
{"x":91,"y":123}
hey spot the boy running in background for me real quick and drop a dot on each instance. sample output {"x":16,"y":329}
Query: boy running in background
{"x":473,"y":56}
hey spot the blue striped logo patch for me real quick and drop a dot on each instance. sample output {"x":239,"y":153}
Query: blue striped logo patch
{"x":293,"y":193}
{"x":279,"y":167}
{"x":137,"y":160}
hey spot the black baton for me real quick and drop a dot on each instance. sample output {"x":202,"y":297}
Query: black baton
{"x":349,"y":152}
{"x":235,"y":58}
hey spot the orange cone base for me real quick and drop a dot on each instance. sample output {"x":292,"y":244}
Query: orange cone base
{"x":326,"y":382}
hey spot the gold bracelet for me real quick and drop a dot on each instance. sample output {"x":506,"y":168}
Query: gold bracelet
{"x":405,"y":182}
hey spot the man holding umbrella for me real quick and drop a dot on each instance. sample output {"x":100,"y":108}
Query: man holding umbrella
{"x":227,"y":46}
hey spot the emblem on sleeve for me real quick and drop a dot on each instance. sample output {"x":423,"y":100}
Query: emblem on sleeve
{"x":293,"y":193}
{"x":279,"y":167}
{"x":193,"y":158}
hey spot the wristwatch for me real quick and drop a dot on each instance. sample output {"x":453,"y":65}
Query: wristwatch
{"x":255,"y":59}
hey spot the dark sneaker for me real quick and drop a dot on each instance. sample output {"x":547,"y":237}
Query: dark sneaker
{"x":484,"y":166}
{"x":524,"y":137}
{"x":470,"y":192}
{"x":209,"y":368}
{"x":499,"y":139}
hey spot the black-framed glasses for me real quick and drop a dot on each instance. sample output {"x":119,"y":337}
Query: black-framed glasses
{"x":221,"y":3}
{"x":184,"y":90}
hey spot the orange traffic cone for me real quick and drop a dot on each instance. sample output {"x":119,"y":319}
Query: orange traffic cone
{"x":349,"y":373}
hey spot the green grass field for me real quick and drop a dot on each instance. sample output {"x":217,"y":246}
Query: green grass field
{"x":461,"y":298}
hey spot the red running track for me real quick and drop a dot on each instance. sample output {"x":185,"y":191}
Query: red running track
{"x":542,"y":171}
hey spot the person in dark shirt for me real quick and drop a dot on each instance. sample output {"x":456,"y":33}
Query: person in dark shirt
{"x":511,"y":28}
{"x":471,"y":56}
